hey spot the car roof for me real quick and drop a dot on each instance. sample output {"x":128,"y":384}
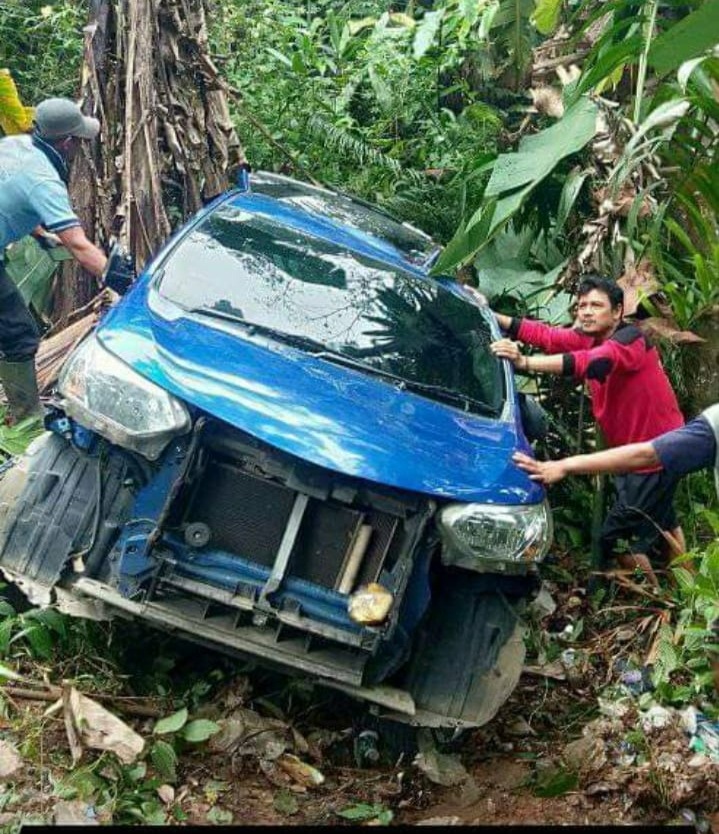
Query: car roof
{"x":321,"y":212}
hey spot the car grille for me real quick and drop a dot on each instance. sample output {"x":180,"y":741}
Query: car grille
{"x":247,"y":516}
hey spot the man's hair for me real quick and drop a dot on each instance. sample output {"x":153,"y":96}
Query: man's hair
{"x":610,"y":288}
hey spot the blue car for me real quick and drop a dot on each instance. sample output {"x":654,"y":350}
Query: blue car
{"x":289,"y":442}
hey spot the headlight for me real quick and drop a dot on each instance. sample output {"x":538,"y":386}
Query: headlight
{"x":108,"y":396}
{"x":486,"y":537}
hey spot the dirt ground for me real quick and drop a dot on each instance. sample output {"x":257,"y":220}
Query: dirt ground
{"x":504,"y":761}
{"x":513,"y":770}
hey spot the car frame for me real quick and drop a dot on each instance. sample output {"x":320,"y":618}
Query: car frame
{"x":232,"y":483}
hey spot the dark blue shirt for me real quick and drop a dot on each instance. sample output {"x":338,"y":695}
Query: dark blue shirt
{"x":687,"y":449}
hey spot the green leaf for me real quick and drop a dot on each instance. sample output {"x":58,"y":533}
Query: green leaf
{"x":546,"y":15}
{"x":285,"y":803}
{"x":626,"y":52}
{"x":32,"y":269}
{"x":219,"y":816}
{"x":49,"y":617}
{"x":687,"y":39}
{"x":172,"y":723}
{"x":466,"y":242}
{"x":6,"y":627}
{"x":540,"y":153}
{"x":570,"y":191}
{"x":283,"y":59}
{"x":557,"y":783}
{"x":8,"y":674}
{"x":164,"y":759}
{"x":426,"y":32}
{"x":39,"y":639}
{"x":200,"y":730}
{"x":361,"y":811}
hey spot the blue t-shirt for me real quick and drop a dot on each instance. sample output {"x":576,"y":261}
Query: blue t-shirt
{"x":32,"y":192}
{"x":687,"y":449}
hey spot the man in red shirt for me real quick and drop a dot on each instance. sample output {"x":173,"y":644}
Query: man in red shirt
{"x":632,"y":401}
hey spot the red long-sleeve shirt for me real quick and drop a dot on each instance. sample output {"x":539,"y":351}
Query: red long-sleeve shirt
{"x":632,"y":399}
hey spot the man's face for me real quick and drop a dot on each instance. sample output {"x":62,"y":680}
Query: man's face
{"x":69,"y":147}
{"x":595,"y":315}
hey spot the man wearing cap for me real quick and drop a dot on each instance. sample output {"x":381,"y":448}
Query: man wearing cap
{"x":34,"y":200}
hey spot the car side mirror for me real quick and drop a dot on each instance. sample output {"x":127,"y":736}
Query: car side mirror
{"x":534,"y":418}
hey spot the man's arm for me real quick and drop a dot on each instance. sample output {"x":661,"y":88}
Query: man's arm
{"x":627,"y":458}
{"x":505,"y":322}
{"x":89,"y":256}
{"x":507,"y":349}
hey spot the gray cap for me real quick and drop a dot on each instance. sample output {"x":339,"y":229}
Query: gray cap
{"x":56,"y":118}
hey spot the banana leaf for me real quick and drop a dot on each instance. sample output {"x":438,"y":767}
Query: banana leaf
{"x":32,"y":269}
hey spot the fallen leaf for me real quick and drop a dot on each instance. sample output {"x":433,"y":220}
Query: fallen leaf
{"x":89,"y":724}
{"x":301,"y":772}
{"x":166,"y":793}
{"x":10,"y":760}
{"x":553,"y":670}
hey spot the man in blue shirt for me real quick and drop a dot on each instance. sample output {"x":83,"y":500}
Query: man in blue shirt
{"x":681,"y":451}
{"x":34,"y":200}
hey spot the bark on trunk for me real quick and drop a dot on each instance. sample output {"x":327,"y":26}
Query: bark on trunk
{"x":166,"y":144}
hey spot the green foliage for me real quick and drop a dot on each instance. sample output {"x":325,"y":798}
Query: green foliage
{"x":41,"y":43}
{"x":688,"y":652}
{"x":363,"y":811}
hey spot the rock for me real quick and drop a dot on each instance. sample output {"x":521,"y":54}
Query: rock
{"x":441,"y":768}
{"x":543,"y":605}
{"x":10,"y":760}
{"x":74,"y":812}
{"x":585,"y":754}
{"x":520,"y":728}
{"x":247,"y":733}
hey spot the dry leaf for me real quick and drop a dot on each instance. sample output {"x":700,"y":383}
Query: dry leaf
{"x":89,"y":724}
{"x":300,"y":771}
{"x":663,"y":328}
{"x":637,"y":282}
{"x":547,"y":100}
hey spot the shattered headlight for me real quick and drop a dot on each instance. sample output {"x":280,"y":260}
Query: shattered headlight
{"x":490,"y":537}
{"x":104,"y":394}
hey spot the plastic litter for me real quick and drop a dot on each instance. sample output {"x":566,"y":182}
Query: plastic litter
{"x":365,"y":748}
{"x":706,"y":737}
{"x":634,"y":679}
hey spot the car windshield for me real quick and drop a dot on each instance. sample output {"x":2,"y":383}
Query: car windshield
{"x":413,"y":244}
{"x":247,"y":267}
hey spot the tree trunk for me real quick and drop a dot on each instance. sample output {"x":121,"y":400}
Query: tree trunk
{"x":166,"y":143}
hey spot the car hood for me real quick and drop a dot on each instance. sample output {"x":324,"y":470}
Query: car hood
{"x":329,"y":415}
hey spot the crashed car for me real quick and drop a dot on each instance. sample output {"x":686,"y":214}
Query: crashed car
{"x":289,"y":442}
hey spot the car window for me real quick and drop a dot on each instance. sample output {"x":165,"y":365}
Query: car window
{"x":252,"y":268}
{"x":413,"y":244}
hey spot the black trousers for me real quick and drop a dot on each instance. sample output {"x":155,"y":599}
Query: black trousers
{"x":19,"y":333}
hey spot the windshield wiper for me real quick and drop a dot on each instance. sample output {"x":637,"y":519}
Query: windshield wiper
{"x":321,"y":351}
{"x":438,"y":392}
{"x":291,"y":339}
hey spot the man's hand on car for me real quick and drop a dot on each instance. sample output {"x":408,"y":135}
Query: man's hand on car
{"x":546,"y":472}
{"x":479,"y":298}
{"x":507,"y":349}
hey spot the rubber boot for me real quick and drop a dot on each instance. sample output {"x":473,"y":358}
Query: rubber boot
{"x":20,"y":384}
